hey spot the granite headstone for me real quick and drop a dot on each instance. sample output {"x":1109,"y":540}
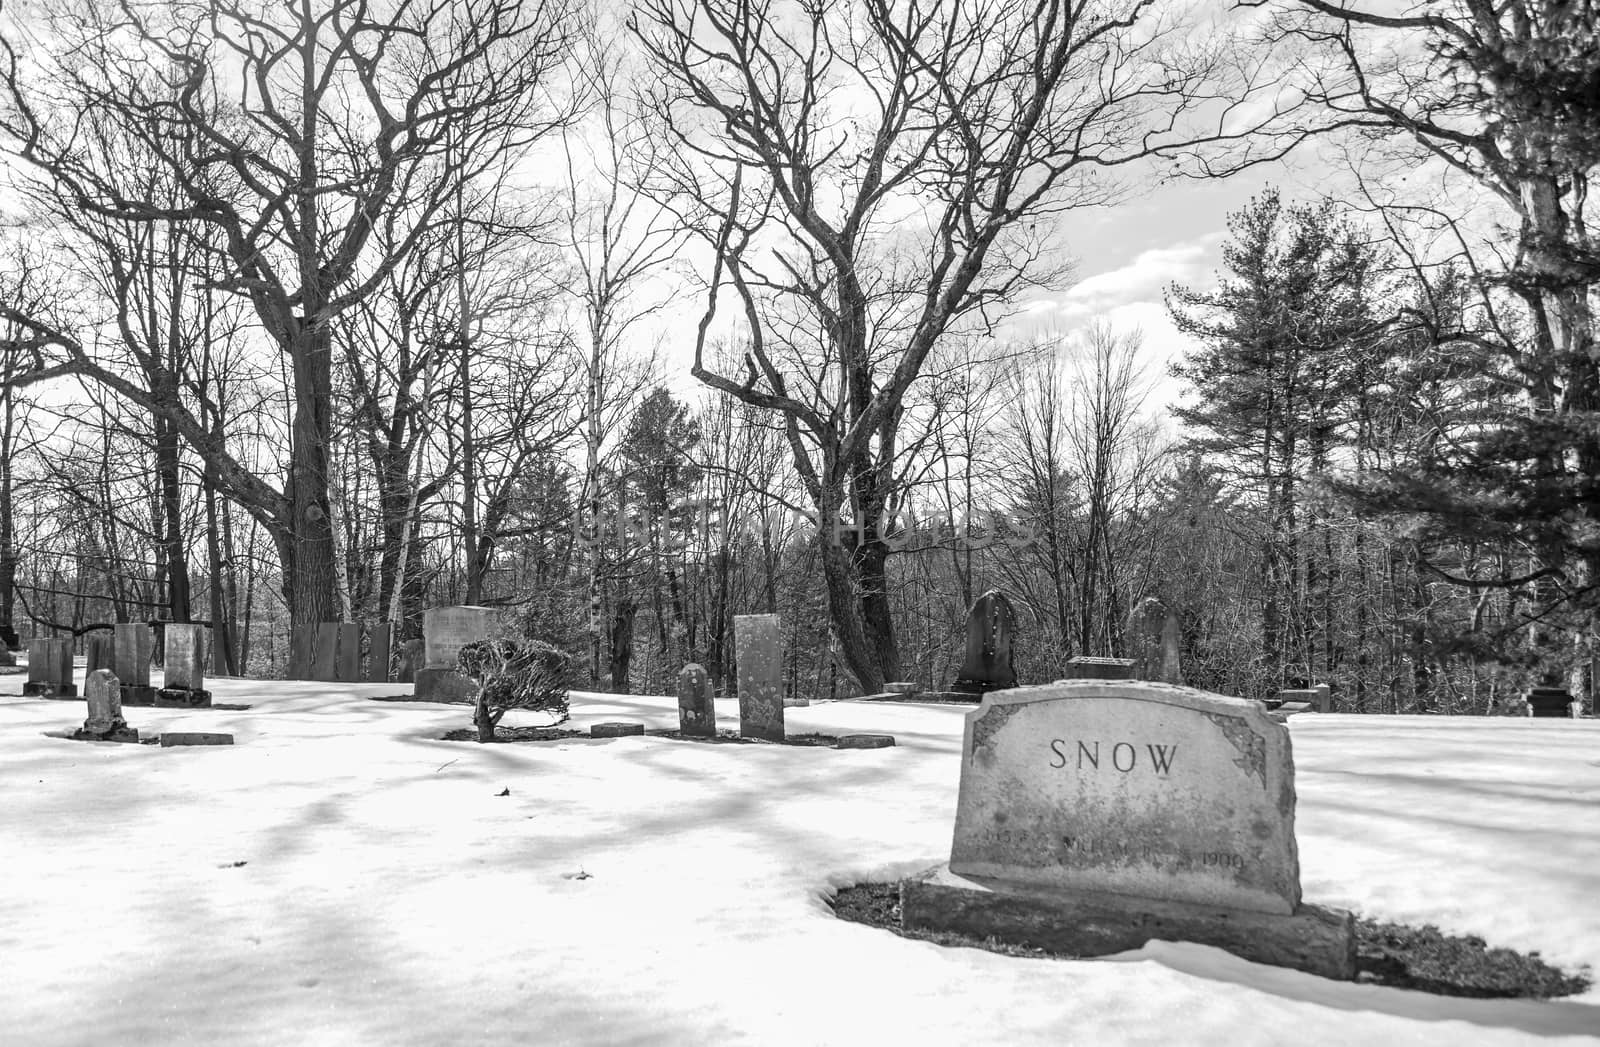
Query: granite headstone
{"x":697,"y":710}
{"x":758,"y":650}
{"x":986,"y":661}
{"x":1092,"y":813}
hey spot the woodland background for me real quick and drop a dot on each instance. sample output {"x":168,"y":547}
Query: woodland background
{"x":343,"y":309}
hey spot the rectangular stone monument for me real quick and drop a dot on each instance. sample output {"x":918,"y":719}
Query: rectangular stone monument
{"x":758,"y":651}
{"x":1095,"y":815}
{"x":301,"y":643}
{"x":325,"y":652}
{"x":347,"y":666}
{"x":103,"y":692}
{"x":445,"y":630}
{"x":1324,"y":698}
{"x":378,"y":652}
{"x":97,"y":654}
{"x":131,"y":645}
{"x":697,"y":709}
{"x":184,"y":680}
{"x":50,"y":668}
{"x":1086,"y":667}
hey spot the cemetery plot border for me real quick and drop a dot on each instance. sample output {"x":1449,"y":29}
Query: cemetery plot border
{"x":1423,"y":959}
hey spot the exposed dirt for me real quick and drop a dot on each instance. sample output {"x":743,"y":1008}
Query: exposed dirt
{"x":1421,"y":958}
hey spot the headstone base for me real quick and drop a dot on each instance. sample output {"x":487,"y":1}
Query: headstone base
{"x":445,"y":685}
{"x":615,"y":729}
{"x":864,"y":741}
{"x":116,"y":734}
{"x":796,"y":703}
{"x":696,"y":725}
{"x":182,"y":698}
{"x":1314,"y":939}
{"x":138,"y":694}
{"x":41,"y":689}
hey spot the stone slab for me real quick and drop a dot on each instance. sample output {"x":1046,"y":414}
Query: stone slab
{"x":347,"y":665}
{"x":324,"y":655}
{"x":758,"y":650}
{"x":864,"y":741}
{"x":301,"y":642}
{"x":697,"y":710}
{"x":1085,"y":667}
{"x":378,"y":652}
{"x":173,"y":738}
{"x":1131,"y":787}
{"x":444,"y":685}
{"x":182,"y":698}
{"x":901,"y":687}
{"x":615,"y":729}
{"x":445,"y":630}
{"x":184,"y":657}
{"x":131,"y":646}
{"x":1314,"y":939}
{"x":796,"y":703}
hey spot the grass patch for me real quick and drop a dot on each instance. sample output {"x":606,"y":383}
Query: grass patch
{"x":1424,"y":959}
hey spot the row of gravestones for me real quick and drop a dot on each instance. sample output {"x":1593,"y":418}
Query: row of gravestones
{"x":333,"y":652}
{"x":126,"y":654}
{"x":758,"y":663}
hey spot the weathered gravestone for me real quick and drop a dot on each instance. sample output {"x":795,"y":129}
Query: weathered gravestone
{"x":697,"y":710}
{"x":184,"y":683}
{"x":986,"y":662}
{"x":103,"y":691}
{"x":50,"y":668}
{"x":1094,"y":816}
{"x":1153,"y":642}
{"x":131,"y":645}
{"x":412,"y":654}
{"x":445,"y":630}
{"x":758,"y":651}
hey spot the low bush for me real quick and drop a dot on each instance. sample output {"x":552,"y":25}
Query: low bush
{"x":515,"y":674}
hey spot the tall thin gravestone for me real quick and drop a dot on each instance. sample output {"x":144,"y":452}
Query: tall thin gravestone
{"x":378,"y":652}
{"x":184,"y":683}
{"x":104,"y":723}
{"x":758,"y":651}
{"x":697,"y":710}
{"x":986,"y":662}
{"x":131,"y":645}
{"x":1093,"y":816}
{"x":323,"y":666}
{"x":347,"y":667}
{"x":1153,"y":643}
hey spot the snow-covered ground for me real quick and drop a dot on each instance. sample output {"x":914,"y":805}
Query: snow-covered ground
{"x":342,"y":876}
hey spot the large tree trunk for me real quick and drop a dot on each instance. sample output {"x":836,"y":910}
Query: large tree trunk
{"x":174,"y":548}
{"x":306,"y":539}
{"x":8,"y":548}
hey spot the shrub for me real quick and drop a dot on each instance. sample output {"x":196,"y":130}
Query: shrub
{"x":515,"y":674}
